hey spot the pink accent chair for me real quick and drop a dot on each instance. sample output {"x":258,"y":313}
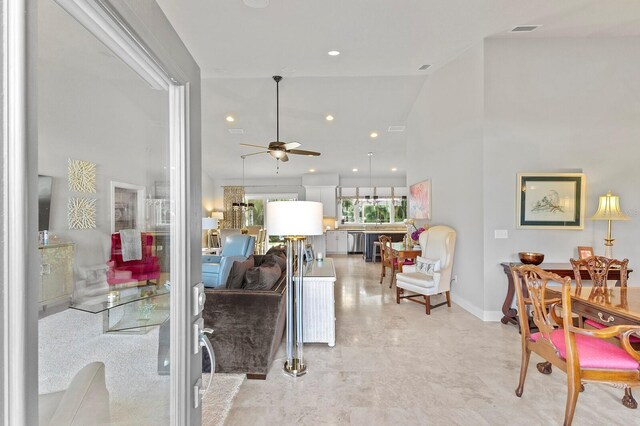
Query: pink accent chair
{"x":145,"y":269}
{"x":584,"y":354}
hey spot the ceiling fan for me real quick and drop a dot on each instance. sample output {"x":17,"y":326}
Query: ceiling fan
{"x":278,"y":149}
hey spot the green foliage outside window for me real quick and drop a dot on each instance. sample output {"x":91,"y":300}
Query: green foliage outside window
{"x":377,"y":213}
{"x":258,"y":211}
{"x":400,"y":212}
{"x":348,"y":211}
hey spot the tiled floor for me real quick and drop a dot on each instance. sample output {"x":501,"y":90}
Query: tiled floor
{"x":393,"y":365}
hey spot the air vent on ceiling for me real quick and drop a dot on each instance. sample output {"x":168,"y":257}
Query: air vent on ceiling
{"x":424,"y":67}
{"x":396,"y":128}
{"x":525,"y":28}
{"x":236,"y":131}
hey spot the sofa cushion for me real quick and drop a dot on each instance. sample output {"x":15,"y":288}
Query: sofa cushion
{"x":239,"y":268}
{"x":262,"y":277}
{"x":280,"y":250}
{"x":274,"y":258}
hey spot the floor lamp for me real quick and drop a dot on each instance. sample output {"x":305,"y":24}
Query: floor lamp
{"x":295,"y":220}
{"x":609,"y":209}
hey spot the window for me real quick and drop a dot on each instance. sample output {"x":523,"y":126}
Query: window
{"x":259,"y":209}
{"x":385,"y":210}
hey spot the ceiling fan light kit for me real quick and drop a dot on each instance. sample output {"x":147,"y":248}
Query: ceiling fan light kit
{"x":278,"y":149}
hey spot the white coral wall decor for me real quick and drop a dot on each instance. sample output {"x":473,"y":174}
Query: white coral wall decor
{"x":82,"y":213}
{"x":82,"y":176}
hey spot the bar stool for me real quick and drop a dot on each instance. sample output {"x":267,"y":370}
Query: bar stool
{"x":375,"y":250}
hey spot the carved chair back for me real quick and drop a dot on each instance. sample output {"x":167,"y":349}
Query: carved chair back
{"x":534,"y":281}
{"x":598,"y":268}
{"x":385,"y":250}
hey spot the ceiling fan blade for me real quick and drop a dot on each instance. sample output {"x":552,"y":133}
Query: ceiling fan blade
{"x":291,"y":145}
{"x":254,"y":153}
{"x":284,"y":158}
{"x":303,"y":152}
{"x":255,"y":146}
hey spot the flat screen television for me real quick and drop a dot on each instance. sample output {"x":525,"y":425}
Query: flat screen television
{"x":44,"y":201}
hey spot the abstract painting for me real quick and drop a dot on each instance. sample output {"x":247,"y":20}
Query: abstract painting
{"x":551,"y":200}
{"x":82,"y":213}
{"x":420,"y":200}
{"x":82,"y":176}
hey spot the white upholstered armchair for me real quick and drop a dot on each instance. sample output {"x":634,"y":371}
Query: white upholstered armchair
{"x":431,"y":274}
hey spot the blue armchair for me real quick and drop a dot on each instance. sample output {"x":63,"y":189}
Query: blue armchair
{"x":215,"y":269}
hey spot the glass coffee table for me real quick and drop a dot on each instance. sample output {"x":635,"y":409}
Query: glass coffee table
{"x":136,"y":311}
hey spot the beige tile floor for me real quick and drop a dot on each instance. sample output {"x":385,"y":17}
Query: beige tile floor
{"x":393,"y":365}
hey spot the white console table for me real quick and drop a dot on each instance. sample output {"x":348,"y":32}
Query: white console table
{"x":319,"y":308}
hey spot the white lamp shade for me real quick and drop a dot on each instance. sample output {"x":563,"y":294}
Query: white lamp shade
{"x":209,"y":223}
{"x":609,"y":208}
{"x":292,"y":218}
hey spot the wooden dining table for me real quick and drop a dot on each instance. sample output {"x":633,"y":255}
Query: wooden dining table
{"x":562,"y":269}
{"x":606,"y":305}
{"x":402,"y":252}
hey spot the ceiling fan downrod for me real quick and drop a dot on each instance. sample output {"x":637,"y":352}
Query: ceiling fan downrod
{"x":277,"y":79}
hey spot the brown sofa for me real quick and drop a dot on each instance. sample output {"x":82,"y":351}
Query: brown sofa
{"x":248,"y":326}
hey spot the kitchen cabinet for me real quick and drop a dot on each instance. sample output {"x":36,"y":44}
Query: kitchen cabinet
{"x":371,"y":236}
{"x":325,"y":195}
{"x":336,"y":242}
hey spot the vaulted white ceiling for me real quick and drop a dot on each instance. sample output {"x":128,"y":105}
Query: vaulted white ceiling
{"x":371,"y":85}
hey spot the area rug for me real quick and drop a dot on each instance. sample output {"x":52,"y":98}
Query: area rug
{"x":72,"y":339}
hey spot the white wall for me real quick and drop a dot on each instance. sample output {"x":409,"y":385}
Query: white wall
{"x":555,"y":105}
{"x":208,"y":194}
{"x":445,"y":145}
{"x":539,"y":105}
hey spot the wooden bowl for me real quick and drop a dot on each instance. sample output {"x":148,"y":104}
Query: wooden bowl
{"x":530,"y":258}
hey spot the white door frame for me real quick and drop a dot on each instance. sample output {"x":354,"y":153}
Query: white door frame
{"x":19,"y":222}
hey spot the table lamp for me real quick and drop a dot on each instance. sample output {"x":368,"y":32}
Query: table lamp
{"x":209,"y":223}
{"x":609,"y":209}
{"x":295,"y":220}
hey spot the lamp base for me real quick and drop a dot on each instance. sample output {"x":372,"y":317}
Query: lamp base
{"x":296,"y":368}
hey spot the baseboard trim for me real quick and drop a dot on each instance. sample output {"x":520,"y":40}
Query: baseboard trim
{"x":487,"y":316}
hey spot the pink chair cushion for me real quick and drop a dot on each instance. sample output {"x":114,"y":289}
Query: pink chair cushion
{"x":595,"y":324}
{"x":593,"y":352}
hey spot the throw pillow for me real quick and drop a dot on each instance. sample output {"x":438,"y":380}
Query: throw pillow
{"x":236,"y":275}
{"x":262,"y":277}
{"x":427,"y":266}
{"x":275,"y":258}
{"x":278,"y":250}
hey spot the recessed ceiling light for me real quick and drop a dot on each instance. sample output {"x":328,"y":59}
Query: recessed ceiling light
{"x":354,"y":170}
{"x":312,"y":170}
{"x":333,"y":53}
{"x":329,"y":117}
{"x":394,"y":169}
{"x":374,"y":135}
{"x":230,"y":119}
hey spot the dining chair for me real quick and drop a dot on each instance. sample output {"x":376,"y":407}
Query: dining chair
{"x":583,"y":354}
{"x":388,"y":259}
{"x":598,"y":268}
